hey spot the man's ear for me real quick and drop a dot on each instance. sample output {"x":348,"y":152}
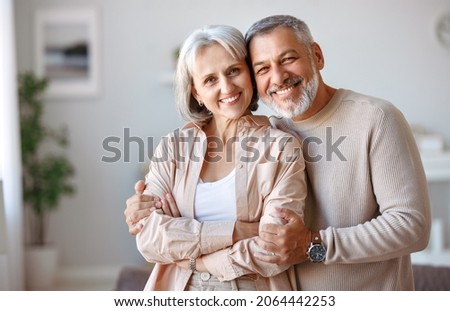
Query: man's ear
{"x":318,"y":56}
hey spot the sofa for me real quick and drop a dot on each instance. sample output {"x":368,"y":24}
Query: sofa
{"x":426,"y":278}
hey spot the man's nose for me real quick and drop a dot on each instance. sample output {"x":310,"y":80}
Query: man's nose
{"x":279,"y":75}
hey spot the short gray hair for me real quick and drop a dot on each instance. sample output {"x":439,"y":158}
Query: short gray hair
{"x":268,"y":24}
{"x":231,"y":40}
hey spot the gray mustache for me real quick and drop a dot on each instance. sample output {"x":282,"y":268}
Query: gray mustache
{"x":286,"y":83}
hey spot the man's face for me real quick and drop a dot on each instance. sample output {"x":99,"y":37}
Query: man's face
{"x":286,"y":76}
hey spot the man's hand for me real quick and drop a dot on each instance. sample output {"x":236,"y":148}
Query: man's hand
{"x":288,"y":242}
{"x":245,"y":230}
{"x":140,"y":206}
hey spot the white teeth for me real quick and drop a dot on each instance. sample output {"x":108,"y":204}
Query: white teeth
{"x":281,"y":92}
{"x":229,"y":100}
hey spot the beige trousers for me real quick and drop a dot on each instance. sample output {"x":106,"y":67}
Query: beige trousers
{"x":203,"y":281}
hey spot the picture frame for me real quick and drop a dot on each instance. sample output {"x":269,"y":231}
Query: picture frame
{"x":67,"y":51}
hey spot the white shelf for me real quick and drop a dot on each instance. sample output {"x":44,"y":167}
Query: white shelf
{"x":437,"y":169}
{"x":437,"y":166}
{"x":431,"y":258}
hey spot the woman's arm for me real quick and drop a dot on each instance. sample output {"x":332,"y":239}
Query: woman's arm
{"x":164,"y":239}
{"x":289,"y":191}
{"x":176,"y":239}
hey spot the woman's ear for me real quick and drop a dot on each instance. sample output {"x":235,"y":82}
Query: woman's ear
{"x":195,"y":94}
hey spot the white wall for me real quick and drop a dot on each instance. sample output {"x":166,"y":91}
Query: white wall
{"x":4,"y":280}
{"x":385,"y":48}
{"x":11,"y":222}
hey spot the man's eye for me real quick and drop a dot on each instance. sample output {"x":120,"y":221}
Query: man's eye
{"x":288,"y":60}
{"x":262,"y":70}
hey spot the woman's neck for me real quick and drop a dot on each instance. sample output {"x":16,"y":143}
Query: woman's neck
{"x":220,"y":154}
{"x":224,"y":129}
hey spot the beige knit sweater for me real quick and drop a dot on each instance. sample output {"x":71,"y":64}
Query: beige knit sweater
{"x":367,"y":194}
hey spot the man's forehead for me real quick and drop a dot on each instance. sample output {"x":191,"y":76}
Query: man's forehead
{"x":279,"y":36}
{"x":274,"y":44}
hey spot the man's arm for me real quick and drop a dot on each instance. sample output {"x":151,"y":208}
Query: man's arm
{"x":400,"y":189}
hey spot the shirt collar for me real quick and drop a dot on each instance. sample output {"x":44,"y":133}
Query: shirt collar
{"x":244,"y":121}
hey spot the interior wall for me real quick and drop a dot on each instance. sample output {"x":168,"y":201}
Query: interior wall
{"x":385,"y":48}
{"x":11,"y":216}
{"x":4,"y":280}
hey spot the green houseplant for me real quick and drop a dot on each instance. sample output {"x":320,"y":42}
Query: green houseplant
{"x":46,"y":174}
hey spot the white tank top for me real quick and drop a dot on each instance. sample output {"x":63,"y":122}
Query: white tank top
{"x":216,"y":201}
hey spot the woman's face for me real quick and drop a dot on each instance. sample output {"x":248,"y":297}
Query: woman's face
{"x":222,"y":83}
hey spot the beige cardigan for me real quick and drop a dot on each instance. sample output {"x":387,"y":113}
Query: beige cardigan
{"x":269,"y":173}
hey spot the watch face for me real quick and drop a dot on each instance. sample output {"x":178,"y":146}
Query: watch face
{"x":317,"y":253}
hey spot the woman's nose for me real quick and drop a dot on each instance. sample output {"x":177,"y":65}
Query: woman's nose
{"x":227,"y":85}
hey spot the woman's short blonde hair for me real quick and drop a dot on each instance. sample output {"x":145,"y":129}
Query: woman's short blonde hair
{"x":231,"y":40}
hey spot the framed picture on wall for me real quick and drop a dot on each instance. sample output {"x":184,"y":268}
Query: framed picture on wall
{"x":67,"y":51}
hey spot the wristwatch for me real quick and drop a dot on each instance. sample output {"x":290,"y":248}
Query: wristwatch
{"x":316,"y":251}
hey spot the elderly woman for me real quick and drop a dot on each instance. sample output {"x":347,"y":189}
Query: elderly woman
{"x":224,"y":166}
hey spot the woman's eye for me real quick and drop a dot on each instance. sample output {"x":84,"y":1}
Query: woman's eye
{"x":210,"y":80}
{"x":234,"y":71}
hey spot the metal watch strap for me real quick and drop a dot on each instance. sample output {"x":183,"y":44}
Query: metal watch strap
{"x":193,"y":264}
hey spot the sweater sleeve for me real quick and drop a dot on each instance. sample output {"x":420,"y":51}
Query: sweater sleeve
{"x":403,"y":223}
{"x":289,"y":190}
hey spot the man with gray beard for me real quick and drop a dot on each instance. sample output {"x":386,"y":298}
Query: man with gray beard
{"x":367,"y":206}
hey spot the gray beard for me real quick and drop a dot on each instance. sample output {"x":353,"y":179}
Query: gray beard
{"x":295,"y":108}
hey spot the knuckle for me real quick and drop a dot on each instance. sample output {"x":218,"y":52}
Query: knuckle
{"x":141,"y":206}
